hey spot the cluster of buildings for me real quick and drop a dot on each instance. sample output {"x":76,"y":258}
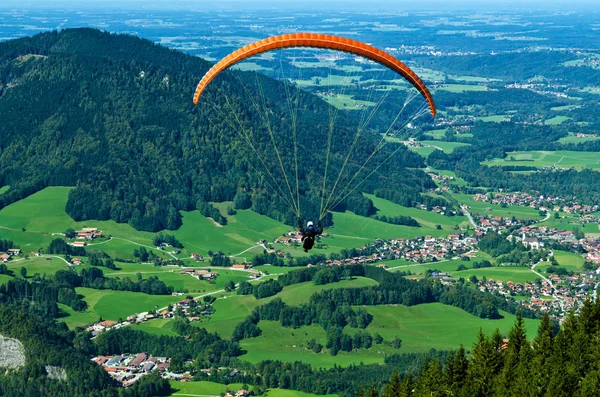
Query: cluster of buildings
{"x":543,"y":203}
{"x":555,"y":295}
{"x":200,"y":274}
{"x":6,"y":256}
{"x":129,"y":368}
{"x":429,"y":249}
{"x":88,"y":233}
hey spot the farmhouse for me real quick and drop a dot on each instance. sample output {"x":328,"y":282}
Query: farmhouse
{"x":13,"y":251}
{"x":89,"y":233}
{"x":4,"y":257}
{"x":79,"y":244}
{"x":241,"y":266}
{"x":76,"y":261}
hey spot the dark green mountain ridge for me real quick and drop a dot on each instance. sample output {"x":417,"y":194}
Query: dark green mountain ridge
{"x":113,"y":116}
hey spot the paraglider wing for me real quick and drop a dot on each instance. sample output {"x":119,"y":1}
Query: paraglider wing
{"x":315,"y":40}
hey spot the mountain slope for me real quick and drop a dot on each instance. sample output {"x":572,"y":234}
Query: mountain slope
{"x":112,"y":114}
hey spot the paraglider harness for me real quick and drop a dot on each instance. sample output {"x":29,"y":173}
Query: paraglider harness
{"x":309,"y":234}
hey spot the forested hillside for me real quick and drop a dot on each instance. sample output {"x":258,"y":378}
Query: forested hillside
{"x":113,"y":115}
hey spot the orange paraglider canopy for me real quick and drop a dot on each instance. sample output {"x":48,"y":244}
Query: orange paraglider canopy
{"x":315,"y":40}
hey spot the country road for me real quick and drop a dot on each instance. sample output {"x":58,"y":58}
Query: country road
{"x":466,"y":212}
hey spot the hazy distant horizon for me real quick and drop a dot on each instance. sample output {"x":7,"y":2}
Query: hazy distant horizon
{"x":508,"y":5}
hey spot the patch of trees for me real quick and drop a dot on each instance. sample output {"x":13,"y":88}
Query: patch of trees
{"x":101,"y":259}
{"x":60,"y":246}
{"x":219,"y":259}
{"x":5,"y":270}
{"x":557,"y":361}
{"x":161,"y":238}
{"x":398,"y":220}
{"x":210,"y":211}
{"x":41,"y":295}
{"x":266,"y":289}
{"x":5,"y":245}
{"x":260,"y":290}
{"x":496,"y":244}
{"x":193,"y":343}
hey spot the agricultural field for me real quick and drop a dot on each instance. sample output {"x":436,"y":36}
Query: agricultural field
{"x":502,"y":273}
{"x":575,"y":139}
{"x":460,"y":87}
{"x":436,"y":134}
{"x":478,"y":207}
{"x":494,"y":119}
{"x":430,"y":146}
{"x":560,"y":159}
{"x":568,"y":260}
{"x":557,"y":120}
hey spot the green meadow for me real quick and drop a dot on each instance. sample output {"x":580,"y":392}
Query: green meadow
{"x":427,"y":219}
{"x":494,"y":119}
{"x":460,"y":87}
{"x":429,"y":146}
{"x":575,"y":139}
{"x":500,"y":273}
{"x":233,"y":309}
{"x":420,"y":328}
{"x":38,"y":265}
{"x":435,"y":325}
{"x":206,"y":388}
{"x":4,"y":189}
{"x":560,"y":158}
{"x":556,"y":120}
{"x":112,"y":305}
{"x":341,"y":101}
{"x":479,"y":207}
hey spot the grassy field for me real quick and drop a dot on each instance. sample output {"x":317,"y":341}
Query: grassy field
{"x":506,"y":273}
{"x":494,"y":119}
{"x":435,"y":325}
{"x":38,"y":265}
{"x":346,"y":102}
{"x":231,"y":310}
{"x":110,"y":305}
{"x":298,"y":294}
{"x":206,"y":388}
{"x":560,"y":158}
{"x":427,"y":219}
{"x":4,"y":278}
{"x":478,"y":207}
{"x":161,"y":326}
{"x":199,"y":234}
{"x":43,"y":214}
{"x":430,"y":146}
{"x":568,"y":260}
{"x":420,"y":328}
{"x":556,"y":120}
{"x":460,"y":87}
{"x":567,"y":222}
{"x":576,"y":139}
{"x":4,"y":189}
